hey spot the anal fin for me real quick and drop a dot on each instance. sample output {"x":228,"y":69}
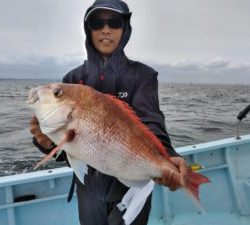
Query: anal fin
{"x":132,"y":183}
{"x":79,"y":167}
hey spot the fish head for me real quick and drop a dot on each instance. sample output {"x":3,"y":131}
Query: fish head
{"x":52,"y":105}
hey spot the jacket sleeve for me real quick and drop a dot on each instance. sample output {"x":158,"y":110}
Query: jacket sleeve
{"x":60,"y":158}
{"x":146,"y":105}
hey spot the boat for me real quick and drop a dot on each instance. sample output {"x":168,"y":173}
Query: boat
{"x":40,"y":198}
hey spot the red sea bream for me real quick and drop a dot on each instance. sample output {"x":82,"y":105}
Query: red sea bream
{"x":101,"y":131}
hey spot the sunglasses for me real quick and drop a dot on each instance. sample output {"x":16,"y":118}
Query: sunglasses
{"x":98,"y":23}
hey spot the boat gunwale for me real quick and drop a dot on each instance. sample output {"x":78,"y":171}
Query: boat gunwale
{"x":67,"y":171}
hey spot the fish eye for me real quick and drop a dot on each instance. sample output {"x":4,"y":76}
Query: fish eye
{"x":57,"y":92}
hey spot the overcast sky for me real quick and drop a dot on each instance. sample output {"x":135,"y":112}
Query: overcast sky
{"x":186,"y":40}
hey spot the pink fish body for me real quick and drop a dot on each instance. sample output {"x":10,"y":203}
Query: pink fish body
{"x":108,"y":135}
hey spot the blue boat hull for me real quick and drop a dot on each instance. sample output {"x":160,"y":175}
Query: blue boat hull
{"x":39,"y":198}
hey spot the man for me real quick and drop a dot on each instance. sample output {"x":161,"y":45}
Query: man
{"x":108,"y":70}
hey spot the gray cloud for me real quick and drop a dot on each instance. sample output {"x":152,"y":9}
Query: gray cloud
{"x":229,"y":73}
{"x":218,"y":63}
{"x":41,"y":27}
{"x":185,"y":66}
{"x":189,"y":33}
{"x":42,"y":67}
{"x":192,"y":30}
{"x":37,"y":67}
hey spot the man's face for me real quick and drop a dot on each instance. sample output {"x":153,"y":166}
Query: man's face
{"x":106,"y":39}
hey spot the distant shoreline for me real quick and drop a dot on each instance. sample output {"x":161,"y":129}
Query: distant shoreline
{"x":160,"y":82}
{"x":30,"y":79}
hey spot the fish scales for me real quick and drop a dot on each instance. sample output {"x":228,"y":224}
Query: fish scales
{"x":111,"y":147}
{"x":113,"y":141}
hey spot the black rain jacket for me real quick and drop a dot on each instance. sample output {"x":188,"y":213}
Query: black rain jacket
{"x":132,"y":82}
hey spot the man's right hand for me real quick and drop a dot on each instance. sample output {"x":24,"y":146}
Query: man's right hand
{"x":41,"y":138}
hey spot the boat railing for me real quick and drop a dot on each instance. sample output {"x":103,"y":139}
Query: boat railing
{"x":40,"y":197}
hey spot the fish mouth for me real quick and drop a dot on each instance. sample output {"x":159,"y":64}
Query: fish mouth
{"x":33,"y":97}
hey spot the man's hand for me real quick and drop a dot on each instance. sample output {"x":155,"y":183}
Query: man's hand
{"x":173,"y":180}
{"x":182,"y":166}
{"x":41,"y":138}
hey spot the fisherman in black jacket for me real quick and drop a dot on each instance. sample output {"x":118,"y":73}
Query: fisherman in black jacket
{"x":108,"y":70}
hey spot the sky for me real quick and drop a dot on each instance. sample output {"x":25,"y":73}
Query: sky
{"x":194,"y":41}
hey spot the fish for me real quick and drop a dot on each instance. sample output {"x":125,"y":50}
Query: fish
{"x":101,"y":131}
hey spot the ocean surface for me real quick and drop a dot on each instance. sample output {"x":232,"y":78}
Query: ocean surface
{"x":194,"y":113}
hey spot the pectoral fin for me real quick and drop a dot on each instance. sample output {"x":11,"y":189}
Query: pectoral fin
{"x":69,"y":136}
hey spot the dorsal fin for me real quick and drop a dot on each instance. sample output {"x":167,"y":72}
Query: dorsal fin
{"x":131,"y":114}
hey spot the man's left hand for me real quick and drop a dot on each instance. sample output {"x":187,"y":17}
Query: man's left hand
{"x":172,"y":180}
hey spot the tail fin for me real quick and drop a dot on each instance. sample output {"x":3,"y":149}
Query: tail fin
{"x":193,"y":183}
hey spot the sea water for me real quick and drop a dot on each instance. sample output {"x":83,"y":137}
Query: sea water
{"x":194,"y":113}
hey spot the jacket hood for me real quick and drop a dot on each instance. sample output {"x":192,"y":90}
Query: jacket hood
{"x":113,"y":5}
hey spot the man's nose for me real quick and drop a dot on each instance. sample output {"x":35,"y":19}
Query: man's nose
{"x":106,"y":29}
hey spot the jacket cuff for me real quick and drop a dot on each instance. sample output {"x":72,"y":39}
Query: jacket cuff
{"x":41,"y":148}
{"x":60,"y":158}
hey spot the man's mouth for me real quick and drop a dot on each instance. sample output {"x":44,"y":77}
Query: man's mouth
{"x":106,"y":40}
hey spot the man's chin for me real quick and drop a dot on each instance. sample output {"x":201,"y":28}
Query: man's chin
{"x":106,"y":52}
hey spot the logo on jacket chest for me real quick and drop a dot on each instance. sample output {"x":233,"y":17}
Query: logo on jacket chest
{"x":122,"y":94}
